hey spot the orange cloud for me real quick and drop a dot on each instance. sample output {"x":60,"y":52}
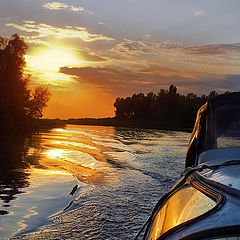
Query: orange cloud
{"x":123,"y":82}
{"x":42,"y":30}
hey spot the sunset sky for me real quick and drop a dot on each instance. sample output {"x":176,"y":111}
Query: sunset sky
{"x":88,"y":52}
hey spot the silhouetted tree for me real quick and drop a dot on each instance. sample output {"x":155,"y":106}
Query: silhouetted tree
{"x":38,"y":101}
{"x":172,"y":90}
{"x":168,"y":107}
{"x":18,"y":105}
{"x":212,"y":94}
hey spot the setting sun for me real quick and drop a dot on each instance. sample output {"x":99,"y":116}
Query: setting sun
{"x":52,"y":59}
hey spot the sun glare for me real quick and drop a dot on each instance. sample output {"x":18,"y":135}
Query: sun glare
{"x":52,"y":59}
{"x":54,"y":153}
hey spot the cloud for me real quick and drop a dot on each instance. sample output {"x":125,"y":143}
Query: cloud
{"x":218,"y":58}
{"x":90,"y":57}
{"x":109,"y":80}
{"x":76,"y":9}
{"x":214,"y":49}
{"x":35,"y":41}
{"x":42,"y":30}
{"x":147,"y":36}
{"x":55,"y":6}
{"x":132,"y":47}
{"x":123,"y":82}
{"x":175,"y":52}
{"x":61,"y":6}
{"x":199,"y":13}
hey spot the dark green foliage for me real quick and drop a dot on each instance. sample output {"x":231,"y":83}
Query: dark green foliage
{"x":168,"y":107}
{"x":18,"y":105}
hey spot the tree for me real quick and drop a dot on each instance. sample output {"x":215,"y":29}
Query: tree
{"x":168,"y":108}
{"x":18,"y":104}
{"x":172,"y":90}
{"x":212,"y":94}
{"x":38,"y":102}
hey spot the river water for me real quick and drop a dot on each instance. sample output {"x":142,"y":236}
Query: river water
{"x":118,"y":174}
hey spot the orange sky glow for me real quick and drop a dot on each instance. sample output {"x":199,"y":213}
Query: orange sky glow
{"x":88,"y":53}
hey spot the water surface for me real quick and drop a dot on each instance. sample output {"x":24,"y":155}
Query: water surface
{"x":119,"y":174}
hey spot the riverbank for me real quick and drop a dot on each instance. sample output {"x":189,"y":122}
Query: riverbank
{"x":128,"y":123}
{"x":44,"y":124}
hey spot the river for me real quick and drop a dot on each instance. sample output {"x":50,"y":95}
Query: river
{"x":87,"y":182}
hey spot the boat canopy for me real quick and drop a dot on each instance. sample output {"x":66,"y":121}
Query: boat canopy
{"x":217,"y":126}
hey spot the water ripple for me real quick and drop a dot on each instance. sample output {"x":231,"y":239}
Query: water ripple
{"x":120,"y":174}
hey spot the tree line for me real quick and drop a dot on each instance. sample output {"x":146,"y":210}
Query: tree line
{"x":19,"y":105}
{"x":169,"y":108}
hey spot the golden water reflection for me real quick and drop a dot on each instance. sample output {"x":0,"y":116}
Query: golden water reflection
{"x":76,"y":152}
{"x":71,"y":154}
{"x":106,"y":166}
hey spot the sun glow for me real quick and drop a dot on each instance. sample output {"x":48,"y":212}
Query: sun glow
{"x":52,"y":59}
{"x":44,"y":64}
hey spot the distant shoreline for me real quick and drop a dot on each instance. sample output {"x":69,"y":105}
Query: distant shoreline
{"x":141,"y":124}
{"x":45,"y":124}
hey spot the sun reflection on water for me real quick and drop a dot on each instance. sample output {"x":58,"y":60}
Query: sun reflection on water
{"x":110,"y":167}
{"x":54,"y":153}
{"x":42,"y":172}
